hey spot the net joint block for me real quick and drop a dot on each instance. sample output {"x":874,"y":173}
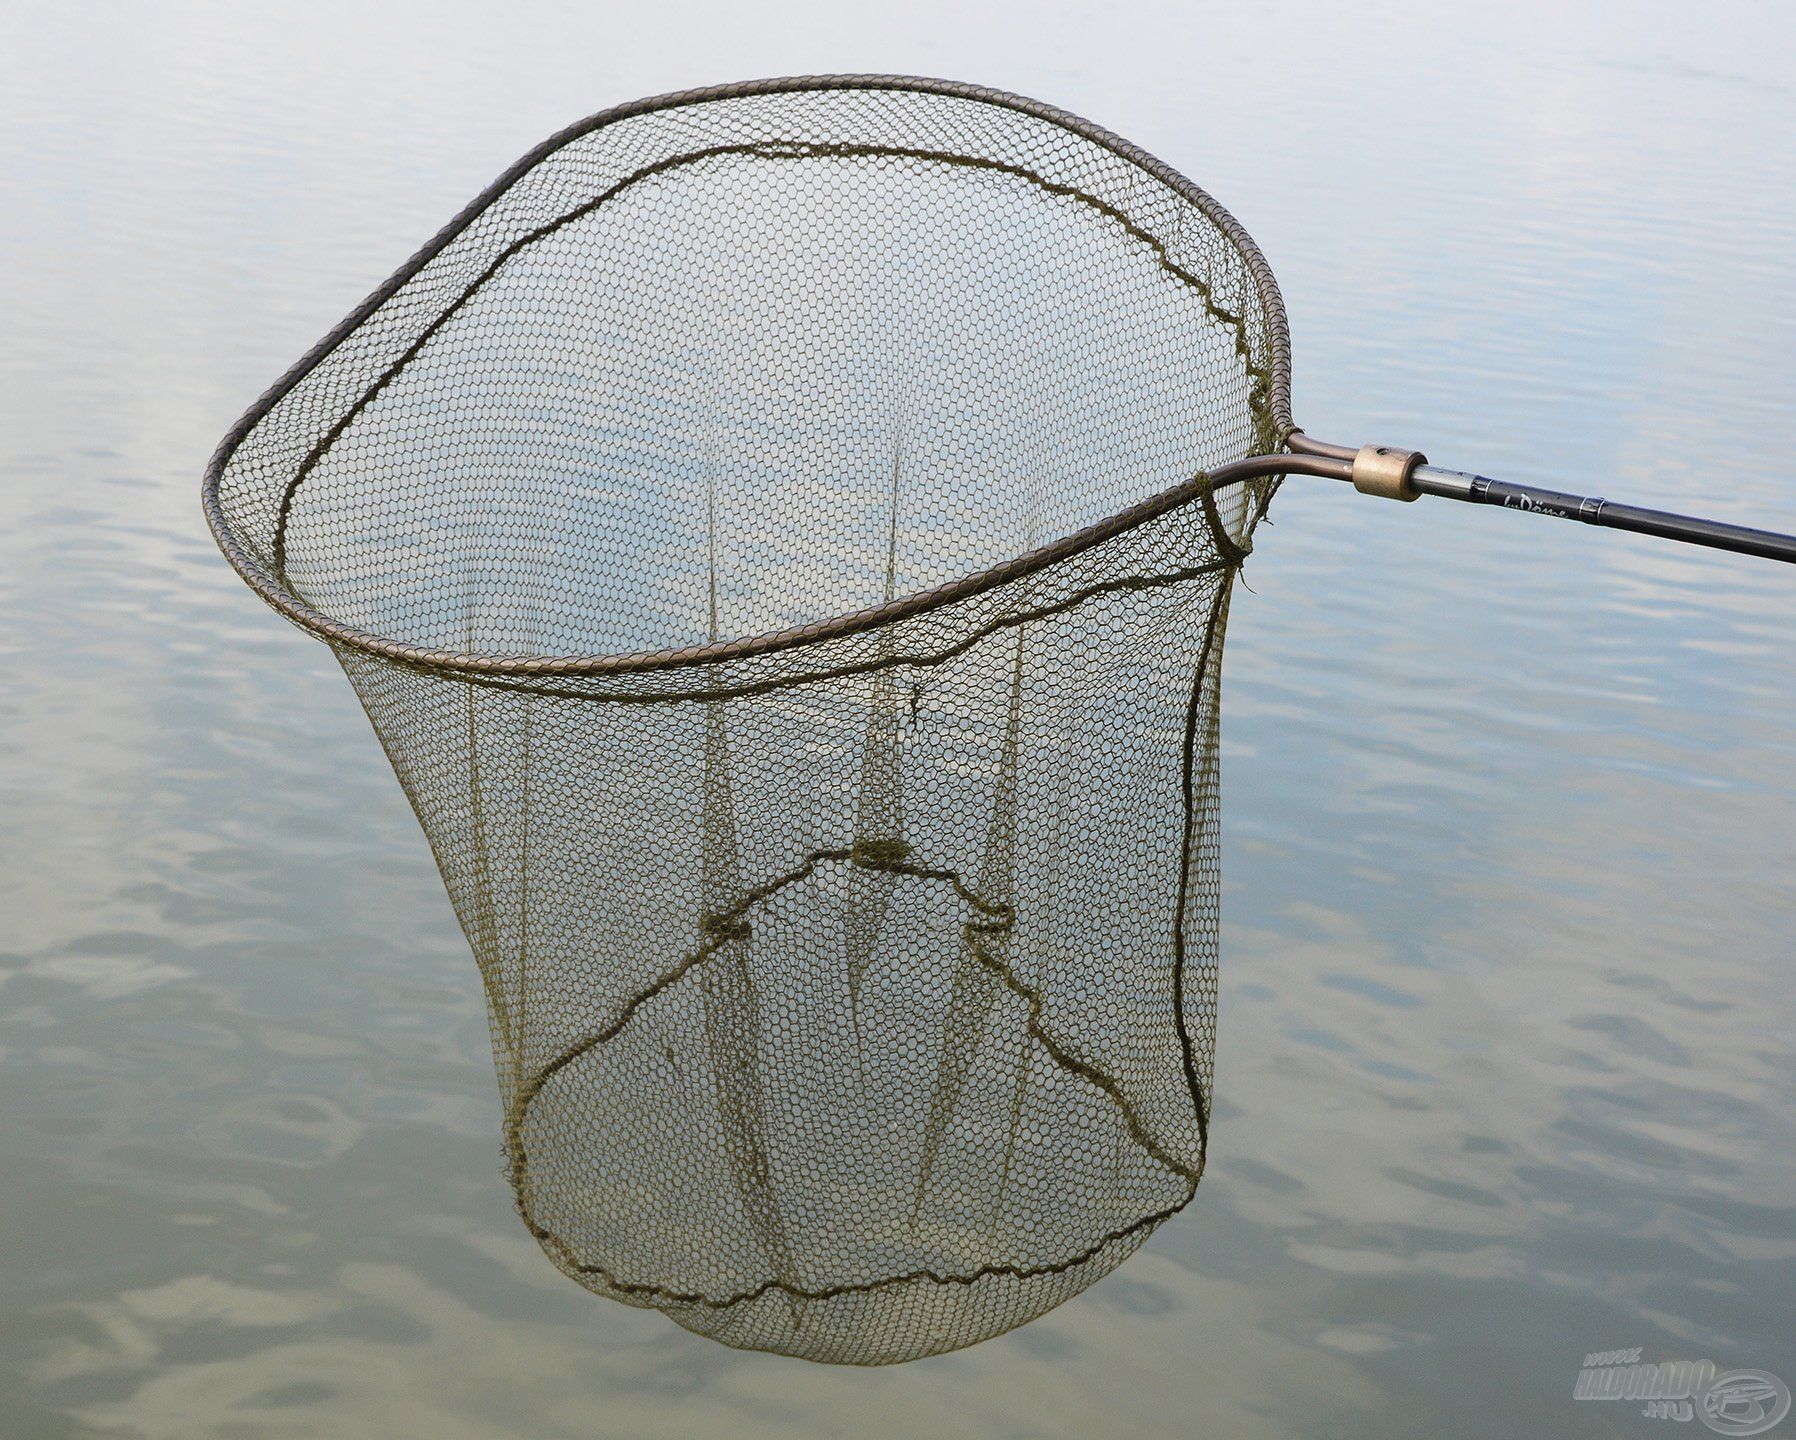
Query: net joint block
{"x":1386,"y":471}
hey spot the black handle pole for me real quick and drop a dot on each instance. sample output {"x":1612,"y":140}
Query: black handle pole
{"x":1426,"y":479}
{"x":1692,"y":529}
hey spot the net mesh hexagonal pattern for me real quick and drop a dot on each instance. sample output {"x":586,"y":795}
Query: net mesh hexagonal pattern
{"x":771,"y":535}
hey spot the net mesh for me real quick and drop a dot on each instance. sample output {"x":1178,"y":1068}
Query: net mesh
{"x":850,"y":956}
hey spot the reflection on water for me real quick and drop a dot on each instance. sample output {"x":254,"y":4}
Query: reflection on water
{"x":1504,"y":1058}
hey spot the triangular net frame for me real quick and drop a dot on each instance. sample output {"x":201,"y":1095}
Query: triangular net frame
{"x":769,"y":531}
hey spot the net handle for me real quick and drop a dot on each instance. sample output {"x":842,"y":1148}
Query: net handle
{"x":1405,"y":475}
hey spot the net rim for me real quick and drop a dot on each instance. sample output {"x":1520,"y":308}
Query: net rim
{"x":279,"y":597}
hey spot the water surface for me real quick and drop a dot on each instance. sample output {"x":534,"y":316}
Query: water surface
{"x":1505,"y":1071}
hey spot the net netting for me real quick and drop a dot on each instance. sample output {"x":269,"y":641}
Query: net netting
{"x":739,"y":526}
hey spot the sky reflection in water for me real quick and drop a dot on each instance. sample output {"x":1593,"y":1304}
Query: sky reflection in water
{"x":1505,"y":1058}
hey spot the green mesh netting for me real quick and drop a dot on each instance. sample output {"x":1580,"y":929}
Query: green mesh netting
{"x":740,"y":528}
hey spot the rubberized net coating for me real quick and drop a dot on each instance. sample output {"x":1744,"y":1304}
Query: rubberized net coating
{"x":850,"y":950}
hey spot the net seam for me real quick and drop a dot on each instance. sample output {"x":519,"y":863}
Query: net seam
{"x":768,"y":150}
{"x":255,"y":573}
{"x":661,"y":1295}
{"x":898,"y":659}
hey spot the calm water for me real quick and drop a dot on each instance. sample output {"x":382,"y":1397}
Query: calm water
{"x":1507,"y":1054}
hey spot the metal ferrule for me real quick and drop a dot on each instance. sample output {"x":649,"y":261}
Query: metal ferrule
{"x":1386,"y":471}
